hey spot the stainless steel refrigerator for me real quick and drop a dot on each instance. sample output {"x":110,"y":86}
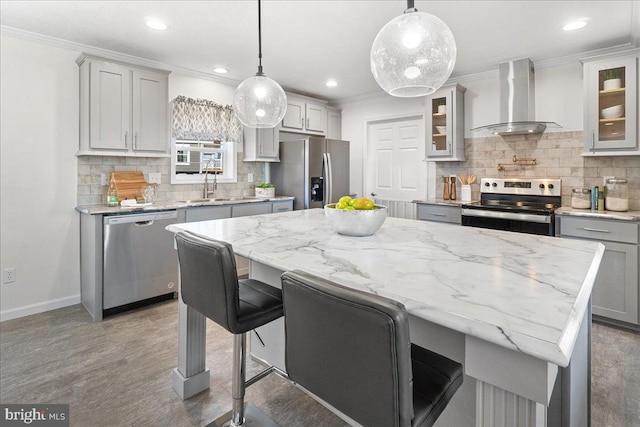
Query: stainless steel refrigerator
{"x":313,"y":170}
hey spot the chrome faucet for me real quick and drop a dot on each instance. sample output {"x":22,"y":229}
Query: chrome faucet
{"x":205,"y":191}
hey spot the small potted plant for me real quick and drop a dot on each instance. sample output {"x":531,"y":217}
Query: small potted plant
{"x":612,"y":78}
{"x":265,"y":190}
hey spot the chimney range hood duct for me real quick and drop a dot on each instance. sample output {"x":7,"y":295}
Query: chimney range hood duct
{"x":517,"y":101}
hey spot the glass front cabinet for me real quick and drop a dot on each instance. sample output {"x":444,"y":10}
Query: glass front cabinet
{"x":611,"y":109}
{"x":445,"y":124}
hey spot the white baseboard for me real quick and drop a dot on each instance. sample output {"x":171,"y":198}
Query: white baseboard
{"x":28,"y":310}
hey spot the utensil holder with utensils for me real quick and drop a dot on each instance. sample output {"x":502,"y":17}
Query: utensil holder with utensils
{"x":465,"y":187}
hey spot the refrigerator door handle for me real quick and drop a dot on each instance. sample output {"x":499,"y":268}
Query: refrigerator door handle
{"x":330,"y":179}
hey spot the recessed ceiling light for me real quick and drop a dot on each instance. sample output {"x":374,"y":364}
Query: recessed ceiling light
{"x":220,"y":70}
{"x":156,"y":24}
{"x":575,"y":25}
{"x":332,"y":83}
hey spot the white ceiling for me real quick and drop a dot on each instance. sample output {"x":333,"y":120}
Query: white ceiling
{"x":306,"y":42}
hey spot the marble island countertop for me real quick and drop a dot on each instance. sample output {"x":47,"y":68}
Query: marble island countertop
{"x":176,"y":204}
{"x":523,"y":292}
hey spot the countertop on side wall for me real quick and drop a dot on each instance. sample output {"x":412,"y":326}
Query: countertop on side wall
{"x":524,"y":292}
{"x":624,"y":216}
{"x":443,"y":202}
{"x":166,"y":205}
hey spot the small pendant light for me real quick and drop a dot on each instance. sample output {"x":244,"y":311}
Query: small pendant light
{"x":259,"y":102}
{"x":413,"y":54}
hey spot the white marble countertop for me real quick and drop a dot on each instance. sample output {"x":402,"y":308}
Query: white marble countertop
{"x":624,"y":216}
{"x":176,"y":204}
{"x":524,"y":292}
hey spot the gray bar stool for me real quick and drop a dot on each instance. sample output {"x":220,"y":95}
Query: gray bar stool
{"x":209,"y":284}
{"x":352,"y":349}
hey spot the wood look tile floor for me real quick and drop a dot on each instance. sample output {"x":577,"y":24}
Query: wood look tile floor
{"x":118,"y":372}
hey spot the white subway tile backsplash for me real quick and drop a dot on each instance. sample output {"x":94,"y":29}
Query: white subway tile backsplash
{"x":557,"y":155}
{"x":90,"y":192}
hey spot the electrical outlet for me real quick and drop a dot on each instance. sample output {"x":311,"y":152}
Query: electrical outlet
{"x":155,"y":178}
{"x":249,"y":177}
{"x":605,"y":178}
{"x":9,"y":275}
{"x":104,"y":179}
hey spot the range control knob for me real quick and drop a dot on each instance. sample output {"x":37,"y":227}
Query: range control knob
{"x":550,"y":186}
{"x":486,"y":184}
{"x":541,"y":185}
{"x":494,"y":184}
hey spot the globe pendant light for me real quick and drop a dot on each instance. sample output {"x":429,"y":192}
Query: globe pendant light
{"x":413,"y":54}
{"x":259,"y":102}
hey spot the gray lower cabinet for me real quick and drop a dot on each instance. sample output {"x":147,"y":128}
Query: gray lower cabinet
{"x":247,"y":209}
{"x":205,"y":213}
{"x":440,"y":213}
{"x":615,"y":294}
{"x":282,"y":206}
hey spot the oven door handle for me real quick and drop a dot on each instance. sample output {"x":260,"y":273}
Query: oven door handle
{"x":507,"y":215}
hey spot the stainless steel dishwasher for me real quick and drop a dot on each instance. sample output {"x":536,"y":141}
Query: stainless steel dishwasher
{"x":139,"y":259}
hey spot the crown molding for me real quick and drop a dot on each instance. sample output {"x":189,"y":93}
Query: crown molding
{"x":110,"y":54}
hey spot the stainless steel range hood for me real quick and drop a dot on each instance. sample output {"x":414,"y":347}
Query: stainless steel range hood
{"x":517,"y":101}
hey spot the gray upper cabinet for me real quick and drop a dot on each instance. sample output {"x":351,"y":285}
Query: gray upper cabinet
{"x":304,"y":115}
{"x":445,"y":124}
{"x":615,"y":294}
{"x":123,"y":110}
{"x":334,"y":123}
{"x":261,"y":145}
{"x":611,"y":109}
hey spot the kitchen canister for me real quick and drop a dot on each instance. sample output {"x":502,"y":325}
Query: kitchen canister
{"x":617,"y":195}
{"x":581,"y":198}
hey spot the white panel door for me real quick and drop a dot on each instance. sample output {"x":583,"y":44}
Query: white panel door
{"x":395,"y":160}
{"x":150,"y":111}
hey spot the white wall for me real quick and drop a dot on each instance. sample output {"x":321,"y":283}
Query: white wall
{"x":193,"y":87}
{"x":558,"y":99}
{"x":354,"y":119}
{"x":38,"y":140}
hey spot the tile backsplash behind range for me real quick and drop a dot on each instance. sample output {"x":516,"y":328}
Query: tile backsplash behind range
{"x":557,"y":155}
{"x":90,"y":192}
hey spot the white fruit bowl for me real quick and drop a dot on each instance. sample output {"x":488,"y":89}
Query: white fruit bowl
{"x":354,"y":222}
{"x":612,"y":112}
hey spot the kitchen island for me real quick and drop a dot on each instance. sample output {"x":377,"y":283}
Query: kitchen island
{"x":514,"y":309}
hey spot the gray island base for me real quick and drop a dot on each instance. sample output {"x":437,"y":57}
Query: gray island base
{"x":514,"y":309}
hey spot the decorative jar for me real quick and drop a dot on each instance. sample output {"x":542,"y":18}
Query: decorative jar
{"x":617,"y":195}
{"x":581,"y":198}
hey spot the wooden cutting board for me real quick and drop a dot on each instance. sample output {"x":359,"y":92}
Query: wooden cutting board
{"x":130,"y":184}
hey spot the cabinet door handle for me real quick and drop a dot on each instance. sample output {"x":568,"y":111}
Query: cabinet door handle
{"x":593,"y":141}
{"x":437,"y":214}
{"x":597,"y":230}
{"x":301,"y":122}
{"x":126,"y":134}
{"x":135,"y":140}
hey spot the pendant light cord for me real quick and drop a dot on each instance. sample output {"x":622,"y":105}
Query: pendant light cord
{"x":410,"y":7}
{"x":259,"y":73}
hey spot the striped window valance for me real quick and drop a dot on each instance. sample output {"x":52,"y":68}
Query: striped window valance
{"x":203,"y":120}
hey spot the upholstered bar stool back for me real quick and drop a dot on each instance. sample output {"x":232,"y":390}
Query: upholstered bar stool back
{"x":352,"y":349}
{"x":209,"y":284}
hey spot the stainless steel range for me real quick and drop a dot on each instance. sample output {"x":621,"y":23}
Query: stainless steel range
{"x":524,"y":205}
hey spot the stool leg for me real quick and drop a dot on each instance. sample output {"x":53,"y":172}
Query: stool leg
{"x":239,"y":374}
